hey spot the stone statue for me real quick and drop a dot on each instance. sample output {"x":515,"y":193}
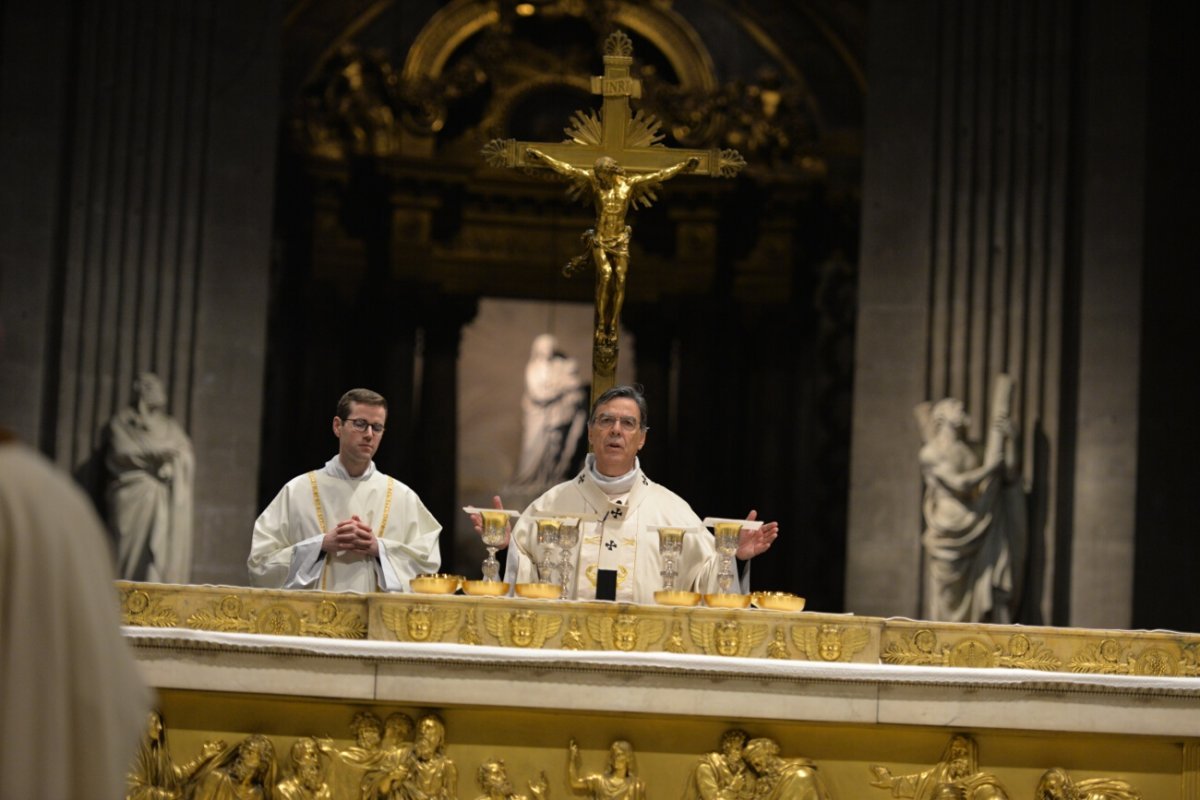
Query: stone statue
{"x":607,"y":243}
{"x":723,"y":775}
{"x":619,"y":781}
{"x":778,"y":778}
{"x":956,"y":777}
{"x":307,"y":781}
{"x":150,"y":466}
{"x":244,"y":772}
{"x":975,"y":514}
{"x":1056,"y":784}
{"x":555,"y":416}
{"x":493,"y":780}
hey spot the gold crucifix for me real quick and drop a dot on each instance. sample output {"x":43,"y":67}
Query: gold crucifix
{"x":617,"y":159}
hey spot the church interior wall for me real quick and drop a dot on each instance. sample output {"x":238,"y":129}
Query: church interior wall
{"x":742,"y":332}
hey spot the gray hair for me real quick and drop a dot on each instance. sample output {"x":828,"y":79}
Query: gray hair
{"x":633,"y":392}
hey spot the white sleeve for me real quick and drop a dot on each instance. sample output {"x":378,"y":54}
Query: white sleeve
{"x":410,"y":547}
{"x":308,"y":562}
{"x":278,"y":532}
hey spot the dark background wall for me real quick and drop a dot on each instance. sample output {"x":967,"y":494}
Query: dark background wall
{"x":157,"y":211}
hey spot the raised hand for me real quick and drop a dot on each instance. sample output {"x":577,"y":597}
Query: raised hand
{"x":753,"y":542}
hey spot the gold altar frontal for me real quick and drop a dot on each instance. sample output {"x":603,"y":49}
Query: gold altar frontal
{"x":518,"y":679}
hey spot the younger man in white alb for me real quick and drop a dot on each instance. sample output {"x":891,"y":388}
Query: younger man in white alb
{"x":346,"y":527}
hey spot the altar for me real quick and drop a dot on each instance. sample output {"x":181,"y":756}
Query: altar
{"x":518,"y":679}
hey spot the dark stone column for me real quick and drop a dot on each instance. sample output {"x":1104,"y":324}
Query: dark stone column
{"x":435,"y":479}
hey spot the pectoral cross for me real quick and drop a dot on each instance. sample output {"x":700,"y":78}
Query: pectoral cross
{"x":619,"y":160}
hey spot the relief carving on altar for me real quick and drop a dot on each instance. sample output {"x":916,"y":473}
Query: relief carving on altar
{"x":1050,"y":650}
{"x":419,"y":623}
{"x":243,"y":611}
{"x":1057,"y":784}
{"x":494,"y":781}
{"x":956,"y":776}
{"x":923,"y":648}
{"x":140,"y":609}
{"x":959,"y":776}
{"x":833,"y":643}
{"x":523,"y":628}
{"x":625,"y":631}
{"x":746,"y":768}
{"x":398,"y":759}
{"x":727,"y":637}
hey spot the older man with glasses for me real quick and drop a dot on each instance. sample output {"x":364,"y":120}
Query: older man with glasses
{"x":617,"y":555}
{"x":346,"y":527}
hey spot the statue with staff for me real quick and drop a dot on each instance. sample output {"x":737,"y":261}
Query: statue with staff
{"x":618,"y":161}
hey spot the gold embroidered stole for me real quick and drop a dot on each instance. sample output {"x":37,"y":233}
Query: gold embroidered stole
{"x":387,"y":506}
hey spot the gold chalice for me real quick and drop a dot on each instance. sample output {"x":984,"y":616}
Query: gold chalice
{"x":548,"y":530}
{"x":670,"y":546}
{"x":495,"y":535}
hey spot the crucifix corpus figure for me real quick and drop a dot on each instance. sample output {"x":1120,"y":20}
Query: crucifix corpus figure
{"x":618,"y":160}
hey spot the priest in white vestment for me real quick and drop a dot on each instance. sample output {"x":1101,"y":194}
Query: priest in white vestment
{"x":620,"y":546}
{"x":72,"y":704}
{"x":346,"y":527}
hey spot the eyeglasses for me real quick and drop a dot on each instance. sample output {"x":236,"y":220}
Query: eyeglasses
{"x":606,"y":421}
{"x":361,"y":425}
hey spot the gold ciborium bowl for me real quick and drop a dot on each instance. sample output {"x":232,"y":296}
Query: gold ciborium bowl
{"x":727,"y":600}
{"x":539,"y":591}
{"x":676,"y":597}
{"x":436,"y":584}
{"x":778,"y":601}
{"x":485,"y":588}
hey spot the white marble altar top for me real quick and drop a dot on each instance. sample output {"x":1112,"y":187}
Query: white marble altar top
{"x":666,"y":683}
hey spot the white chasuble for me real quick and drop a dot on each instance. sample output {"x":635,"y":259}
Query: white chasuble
{"x":621,"y":539}
{"x":72,"y":704}
{"x":286,"y":549}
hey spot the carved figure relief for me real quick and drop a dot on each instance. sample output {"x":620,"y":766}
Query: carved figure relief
{"x":521,"y":628}
{"x":723,"y":774}
{"x":573,"y":638}
{"x":618,"y":781}
{"x":625,"y":632}
{"x":779,"y":778}
{"x":421,"y":622}
{"x":727,"y":637}
{"x":155,"y":775}
{"x":1056,"y":784}
{"x":834,"y":643}
{"x":956,"y":775}
{"x":306,"y":780}
{"x":493,"y":780}
{"x":243,"y":772}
